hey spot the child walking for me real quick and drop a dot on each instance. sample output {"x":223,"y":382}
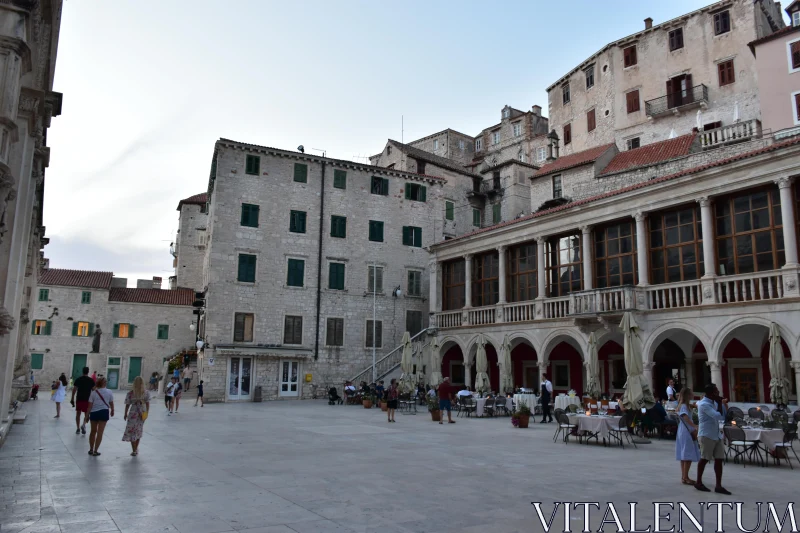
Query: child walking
{"x":199,"y":395}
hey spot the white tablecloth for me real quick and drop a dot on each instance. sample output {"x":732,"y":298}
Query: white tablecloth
{"x":531,"y":400}
{"x":595,"y":424}
{"x":480,"y":403}
{"x":768,"y":437}
{"x":563,"y":401}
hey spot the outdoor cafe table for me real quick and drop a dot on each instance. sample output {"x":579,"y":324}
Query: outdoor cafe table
{"x":597,"y":425}
{"x":768,"y":437}
{"x":531,"y":400}
{"x":563,"y":401}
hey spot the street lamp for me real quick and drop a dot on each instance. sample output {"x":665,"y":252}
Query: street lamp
{"x":199,"y":344}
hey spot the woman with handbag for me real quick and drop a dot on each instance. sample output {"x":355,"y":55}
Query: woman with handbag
{"x":687,"y":450}
{"x":101,"y":408}
{"x":137,"y":404}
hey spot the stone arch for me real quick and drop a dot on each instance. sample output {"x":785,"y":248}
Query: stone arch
{"x":472,"y":346}
{"x":662,"y":332}
{"x":525,"y":355}
{"x":451,"y":350}
{"x":570,"y":336}
{"x":722,"y":335}
{"x":492,"y":353}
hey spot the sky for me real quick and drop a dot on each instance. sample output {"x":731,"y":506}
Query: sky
{"x":149,"y":86}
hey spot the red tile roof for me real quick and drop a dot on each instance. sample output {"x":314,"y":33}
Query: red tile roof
{"x":197,"y":199}
{"x":574,"y":160}
{"x":152,"y":296}
{"x":651,"y":154}
{"x":88,"y":279}
{"x":780,"y":33}
{"x":648,"y":183}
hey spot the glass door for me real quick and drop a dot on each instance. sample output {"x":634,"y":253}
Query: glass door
{"x":239,"y":376}
{"x":289,"y":378}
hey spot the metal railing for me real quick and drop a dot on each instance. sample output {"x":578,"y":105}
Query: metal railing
{"x":737,"y":132}
{"x":387,"y":363}
{"x":669,"y":102}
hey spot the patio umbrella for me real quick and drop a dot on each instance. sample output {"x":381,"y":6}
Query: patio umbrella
{"x":779,"y":385}
{"x":407,"y":364}
{"x":506,"y":368}
{"x":481,"y":367}
{"x":436,"y":362}
{"x":593,"y":369}
{"x":637,"y":389}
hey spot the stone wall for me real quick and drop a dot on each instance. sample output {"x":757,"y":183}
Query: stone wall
{"x":191,"y":247}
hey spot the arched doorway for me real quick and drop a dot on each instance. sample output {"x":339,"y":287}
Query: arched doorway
{"x":669,"y":363}
{"x":611,"y":357}
{"x":565,"y":365}
{"x":678,"y":352}
{"x":453,"y":363}
{"x":524,"y":363}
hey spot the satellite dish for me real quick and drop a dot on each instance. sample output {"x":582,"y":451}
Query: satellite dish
{"x":301,"y":149}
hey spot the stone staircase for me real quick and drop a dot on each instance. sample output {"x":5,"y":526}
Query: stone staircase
{"x":389,"y":365}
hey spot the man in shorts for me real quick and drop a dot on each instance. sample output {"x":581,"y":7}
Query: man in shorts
{"x":187,"y":377}
{"x":711,"y":411}
{"x":83,"y":388}
{"x":445,"y":395}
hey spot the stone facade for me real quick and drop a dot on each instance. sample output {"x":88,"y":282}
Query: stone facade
{"x":449,"y":144}
{"x":189,"y":248}
{"x":654,"y":67}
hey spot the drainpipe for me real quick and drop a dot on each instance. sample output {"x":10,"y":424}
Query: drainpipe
{"x":319,"y":258}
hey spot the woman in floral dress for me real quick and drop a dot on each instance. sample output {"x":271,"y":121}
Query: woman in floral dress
{"x":137,"y":403}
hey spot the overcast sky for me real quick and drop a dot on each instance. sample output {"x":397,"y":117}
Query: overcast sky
{"x":149,"y":86}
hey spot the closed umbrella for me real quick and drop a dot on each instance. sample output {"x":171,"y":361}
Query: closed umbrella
{"x":779,"y":385}
{"x":672,"y":133}
{"x":436,"y":362}
{"x":506,"y":368}
{"x":407,"y":364}
{"x":481,"y":367}
{"x":593,"y":369}
{"x":637,"y":389}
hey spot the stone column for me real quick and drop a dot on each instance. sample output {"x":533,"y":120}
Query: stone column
{"x":467,"y":281}
{"x":707,"y":220}
{"x":641,"y":248}
{"x":689,"y":362}
{"x":787,"y":214}
{"x":796,"y":367}
{"x":541,"y":275}
{"x":501,"y":254}
{"x":716,"y":374}
{"x":434,"y":302}
{"x":542,"y":371}
{"x":467,"y":371}
{"x":586,"y":255}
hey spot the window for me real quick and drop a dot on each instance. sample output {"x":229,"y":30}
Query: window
{"x":589,"y":77}
{"x":37,"y":361}
{"x":300,"y":173}
{"x":796,"y":18}
{"x":563,"y":257}
{"x":121,"y":331}
{"x":541,"y":154}
{"x":243,"y":327}
{"x":506,"y":113}
{"x":339,"y":179}
{"x":338,"y":226}
{"x":676,"y":245}
{"x":416,"y":192}
{"x":436,"y":144}
{"x":797,"y":108}
{"x":461,"y":145}
{"x":293,"y":330}
{"x":476,"y":217}
{"x":249,"y":215}
{"x":722,"y":22}
{"x":629,"y":56}
{"x":374,"y":279}
{"x":632,"y":101}
{"x":449,"y":210}
{"x":376,"y":231}
{"x":567,"y":134}
{"x":252,"y":165}
{"x":163,"y":332}
{"x":676,"y":39}
{"x":336,"y":276}
{"x":204,"y":208}
{"x":374,"y":331}
{"x":557,"y":192}
{"x":590,"y":120}
{"x":561,"y":375}
{"x":86,"y":297}
{"x":247,"y":268}
{"x":478,"y":145}
{"x":632,"y":144}
{"x":413,"y":322}
{"x":453,"y":283}
{"x":44,"y":295}
{"x":517,"y":128}
{"x":334,"y":332}
{"x":712,"y":125}
{"x":496,"y":137}
{"x":679,"y":91}
{"x":379,"y":186}
{"x":522,"y":282}
{"x":297,"y":221}
{"x":201,"y":238}
{"x":615,"y":254}
{"x":496,"y":217}
{"x":485,"y":279}
{"x":794,"y":52}
{"x":412,"y":236}
{"x":521,"y":156}
{"x":295,"y":275}
{"x":414,"y":287}
{"x":420,"y":166}
{"x":82,"y":329}
{"x":749,"y":232}
{"x":41,"y":327}
{"x":726,"y":73}
{"x":565,"y":93}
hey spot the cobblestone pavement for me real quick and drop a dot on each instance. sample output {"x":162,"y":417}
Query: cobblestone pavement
{"x":309,"y":467}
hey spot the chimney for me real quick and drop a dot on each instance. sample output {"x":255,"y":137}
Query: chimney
{"x":648,"y":23}
{"x":156,"y":282}
{"x":537,"y":110}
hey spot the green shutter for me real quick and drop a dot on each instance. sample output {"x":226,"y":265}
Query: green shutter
{"x":408,"y":191}
{"x":338,"y":226}
{"x":131,"y":329}
{"x":295,"y":274}
{"x":245,"y":218}
{"x":496,"y":213}
{"x":340,"y":179}
{"x":448,"y":210}
{"x":252,"y":164}
{"x":407,"y":236}
{"x":33,"y":327}
{"x":44,"y":295}
{"x":423,"y":194}
{"x":249,"y":215}
{"x":297,"y":222}
{"x":86,"y":297}
{"x":48,"y":328}
{"x":300,"y":173}
{"x":376,"y":231}
{"x":247,"y":268}
{"x":336,"y":276}
{"x":37,"y":361}
{"x":476,"y":218}
{"x":417,"y":237}
{"x":116,"y":331}
{"x":75,"y":329}
{"x":91,"y":329}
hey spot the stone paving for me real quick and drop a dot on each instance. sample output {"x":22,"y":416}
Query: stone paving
{"x":304,"y":466}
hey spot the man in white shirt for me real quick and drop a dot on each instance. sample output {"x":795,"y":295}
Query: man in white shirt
{"x":546,"y":392}
{"x":169,"y":394}
{"x":671,"y":391}
{"x":464,"y":392}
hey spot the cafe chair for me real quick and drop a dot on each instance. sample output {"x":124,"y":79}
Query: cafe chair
{"x":563,"y":426}
{"x":621,"y":431}
{"x":755,"y":412}
{"x":739,"y":445}
{"x":789,"y":436}
{"x":572,"y":408}
{"x":500,"y":405}
{"x":488,"y":407}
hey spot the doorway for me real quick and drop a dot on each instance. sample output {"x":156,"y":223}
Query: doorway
{"x":113,"y":372}
{"x":78,"y":363}
{"x":289,"y":382}
{"x":745,"y":385}
{"x":134,"y":368}
{"x":239,"y":370}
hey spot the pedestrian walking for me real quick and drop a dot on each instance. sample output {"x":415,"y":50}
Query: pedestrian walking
{"x":711,"y":411}
{"x":445,"y":397}
{"x":137,"y":405}
{"x":169,"y":394}
{"x":392,"y":394}
{"x":178,"y":394}
{"x":686,"y":447}
{"x":154,"y":381}
{"x":94,"y":376}
{"x":187,"y":378}
{"x":200,"y":395}
{"x":101,"y":408}
{"x":60,"y":393}
{"x":83,"y":389}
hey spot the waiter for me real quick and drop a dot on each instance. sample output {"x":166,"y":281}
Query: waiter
{"x":547,"y":390}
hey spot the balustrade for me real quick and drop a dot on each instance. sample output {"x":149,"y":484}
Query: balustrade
{"x":749,"y":287}
{"x":481,"y":315}
{"x":448,"y":319}
{"x":519,"y":312}
{"x":736,"y":132}
{"x":556,"y":307}
{"x":674,"y":295}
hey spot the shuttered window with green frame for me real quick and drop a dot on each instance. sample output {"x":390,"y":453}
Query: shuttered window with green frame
{"x":376,"y":231}
{"x":336,"y":276}
{"x":297,"y":221}
{"x":300,"y":173}
{"x":339,"y":179}
{"x":37,"y":361}
{"x":163,"y":332}
{"x":416,"y":192}
{"x":449,"y":210}
{"x":247,"y":268}
{"x":86,"y":297}
{"x":252,"y":165}
{"x":338,"y":226}
{"x":44,"y":295}
{"x":412,"y":236}
{"x":476,"y":218}
{"x":295,"y":276}
{"x":249,"y":215}
{"x":496,"y":214}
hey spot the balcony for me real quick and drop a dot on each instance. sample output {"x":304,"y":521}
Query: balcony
{"x":731,"y":134}
{"x":676,"y":102}
{"x":487,"y":188}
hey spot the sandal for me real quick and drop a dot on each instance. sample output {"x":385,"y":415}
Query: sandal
{"x":96,"y":454}
{"x":687,"y":482}
{"x":91,"y":452}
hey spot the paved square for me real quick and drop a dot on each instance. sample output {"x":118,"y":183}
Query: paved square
{"x":304,"y":466}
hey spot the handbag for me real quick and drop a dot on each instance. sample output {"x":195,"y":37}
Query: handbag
{"x":693,"y":433}
{"x":144,"y":416}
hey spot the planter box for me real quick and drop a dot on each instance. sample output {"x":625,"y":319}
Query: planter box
{"x":367,"y":404}
{"x":436,"y":415}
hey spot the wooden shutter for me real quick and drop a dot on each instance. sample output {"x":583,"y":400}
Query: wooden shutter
{"x":590,"y":120}
{"x":567,"y":134}
{"x":300,"y":173}
{"x":670,"y":95}
{"x":75,"y":329}
{"x":340,"y":179}
{"x":448,"y":210}
{"x":91,"y":329}
{"x":407,"y":235}
{"x":33,"y":328}
{"x":629,"y":55}
{"x":689,"y":98}
{"x":423,"y":195}
{"x":795,"y":54}
{"x":115,"y":334}
{"x":384,"y":186}
{"x":131,"y":329}
{"x":238,"y":327}
{"x":417,"y":236}
{"x":48,"y":328}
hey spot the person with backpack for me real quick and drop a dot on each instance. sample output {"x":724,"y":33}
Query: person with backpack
{"x":169,"y":394}
{"x":101,"y":408}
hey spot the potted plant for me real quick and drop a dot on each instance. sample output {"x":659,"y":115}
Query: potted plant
{"x":384,"y":405}
{"x":433,"y":408}
{"x":521,"y":416}
{"x":367,"y":401}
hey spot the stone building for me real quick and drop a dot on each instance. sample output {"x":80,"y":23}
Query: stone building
{"x":301,"y":252}
{"x":692,"y":71}
{"x":141,"y":327}
{"x":449,"y":144}
{"x":188,"y":250}
{"x":28,"y":50}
